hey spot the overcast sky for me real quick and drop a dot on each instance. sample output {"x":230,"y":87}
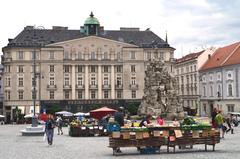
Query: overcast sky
{"x":191,"y":25}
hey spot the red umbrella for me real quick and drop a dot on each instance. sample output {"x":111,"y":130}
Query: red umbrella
{"x":101,"y":112}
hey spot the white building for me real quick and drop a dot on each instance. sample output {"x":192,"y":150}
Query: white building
{"x":186,"y":72}
{"x":220,"y":80}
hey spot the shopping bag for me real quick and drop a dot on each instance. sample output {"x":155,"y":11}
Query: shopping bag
{"x":44,"y":137}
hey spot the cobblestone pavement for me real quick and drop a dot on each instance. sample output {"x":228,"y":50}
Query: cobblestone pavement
{"x":15,"y":146}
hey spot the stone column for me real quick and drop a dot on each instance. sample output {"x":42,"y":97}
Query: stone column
{"x":112,"y":82}
{"x":86,"y":84}
{"x":73,"y":82}
{"x":99,"y":82}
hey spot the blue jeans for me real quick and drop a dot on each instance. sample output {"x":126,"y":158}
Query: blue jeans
{"x":49,"y":133}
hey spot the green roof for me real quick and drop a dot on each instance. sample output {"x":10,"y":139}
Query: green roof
{"x":91,"y":20}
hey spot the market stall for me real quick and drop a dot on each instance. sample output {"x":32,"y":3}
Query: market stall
{"x":151,"y":139}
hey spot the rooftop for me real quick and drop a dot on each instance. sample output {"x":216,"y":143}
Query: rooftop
{"x":189,"y":57}
{"x":228,"y":55}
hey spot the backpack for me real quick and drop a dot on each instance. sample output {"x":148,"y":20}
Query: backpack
{"x":49,"y":125}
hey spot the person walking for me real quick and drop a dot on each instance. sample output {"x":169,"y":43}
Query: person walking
{"x":49,"y":129}
{"x":229,"y":124}
{"x":213,"y":115}
{"x":219,"y":122}
{"x":59,"y":122}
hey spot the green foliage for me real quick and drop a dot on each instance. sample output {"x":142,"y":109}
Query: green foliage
{"x":132,"y":109}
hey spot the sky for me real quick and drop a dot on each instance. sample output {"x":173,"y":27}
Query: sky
{"x":191,"y":25}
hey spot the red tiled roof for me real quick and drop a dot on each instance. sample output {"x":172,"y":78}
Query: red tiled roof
{"x":189,"y":57}
{"x":227,"y":55}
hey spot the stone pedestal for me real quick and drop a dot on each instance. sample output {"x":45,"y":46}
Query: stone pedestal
{"x":33,"y":131}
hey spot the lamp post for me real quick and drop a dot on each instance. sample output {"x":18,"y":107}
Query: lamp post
{"x":34,"y":118}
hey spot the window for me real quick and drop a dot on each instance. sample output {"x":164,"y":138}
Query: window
{"x":7,"y":69}
{"x":93,"y":56}
{"x":119,"y":81}
{"x":93,"y":81}
{"x":191,"y":69}
{"x":20,"y":95}
{"x":66,"y":94}
{"x":195,"y":78}
{"x":187,"y":69}
{"x":219,"y":91}
{"x":34,"y":55}
{"x":93,"y":94}
{"x":20,"y":69}
{"x":162,"y":55}
{"x":119,"y":94}
{"x":204,"y":91}
{"x":205,"y":108}
{"x":51,"y":55}
{"x":229,"y":75}
{"x":133,"y":80}
{"x":66,"y":55}
{"x":8,"y":81}
{"x":51,"y":94}
{"x":80,"y":94}
{"x":20,"y":82}
{"x":119,"y":68}
{"x":105,"y":55}
{"x":105,"y":81}
{"x":8,"y":95}
{"x":51,"y":81}
{"x":230,"y":107}
{"x":230,"y":93}
{"x":33,"y":82}
{"x":133,"y":68}
{"x":92,"y":69}
{"x":105,"y":68}
{"x":66,"y":81}
{"x":149,"y":56}
{"x":119,"y":56}
{"x":219,"y":76}
{"x":195,"y":68}
{"x":211,"y":91}
{"x":80,"y":69}
{"x":66,"y":68}
{"x":80,"y":55}
{"x":133,"y":94}
{"x":132,"y":55}
{"x":105,"y":94}
{"x":20,"y":55}
{"x":211,"y":78}
{"x":33,"y":95}
{"x":204,"y":78}
{"x":51,"y":68}
{"x":79,"y":81}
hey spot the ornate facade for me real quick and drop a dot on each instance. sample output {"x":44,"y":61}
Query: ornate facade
{"x":78,"y":70}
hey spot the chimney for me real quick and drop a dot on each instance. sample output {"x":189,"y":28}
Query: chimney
{"x":209,"y":56}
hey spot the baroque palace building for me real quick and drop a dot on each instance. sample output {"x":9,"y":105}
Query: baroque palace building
{"x":78,"y":70}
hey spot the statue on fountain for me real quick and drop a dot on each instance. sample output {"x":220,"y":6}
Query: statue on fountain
{"x":160,"y":96}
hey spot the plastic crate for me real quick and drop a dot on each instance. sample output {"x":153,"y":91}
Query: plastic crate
{"x":149,"y":150}
{"x":113,"y":127}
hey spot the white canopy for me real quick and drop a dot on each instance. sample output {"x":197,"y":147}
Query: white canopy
{"x":64,"y":113}
{"x":79,"y":114}
{"x":1,"y":116}
{"x":30,"y":115}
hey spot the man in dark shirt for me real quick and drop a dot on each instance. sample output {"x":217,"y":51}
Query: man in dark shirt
{"x":119,"y":116}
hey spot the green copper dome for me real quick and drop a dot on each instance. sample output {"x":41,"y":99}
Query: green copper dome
{"x":91,"y":20}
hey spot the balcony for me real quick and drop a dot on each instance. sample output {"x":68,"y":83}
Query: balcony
{"x":133,"y":86}
{"x":93,"y":87}
{"x":79,"y":87}
{"x":51,"y":87}
{"x":104,"y":86}
{"x":67,"y":87}
{"x":118,"y":86}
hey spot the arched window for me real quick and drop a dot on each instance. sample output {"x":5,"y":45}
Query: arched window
{"x":204,"y":91}
{"x":230,"y":93}
{"x":219,"y":91}
{"x":211,"y":91}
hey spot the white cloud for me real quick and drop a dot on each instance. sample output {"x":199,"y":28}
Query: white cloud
{"x":190,"y":24}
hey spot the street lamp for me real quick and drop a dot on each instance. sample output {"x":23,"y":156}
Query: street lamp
{"x":34,"y":118}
